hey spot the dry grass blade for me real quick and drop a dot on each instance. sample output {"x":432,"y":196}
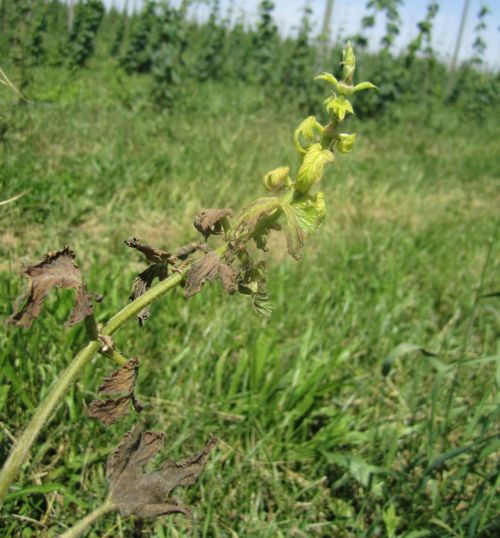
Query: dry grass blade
{"x":13,"y":198}
{"x":4,"y":79}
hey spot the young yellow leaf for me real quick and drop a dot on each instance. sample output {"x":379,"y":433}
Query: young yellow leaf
{"x":339,"y":106}
{"x":275,"y":179}
{"x":251,"y":216}
{"x":348,"y":63}
{"x":328,"y":77}
{"x":364,"y":86}
{"x":345,"y":142}
{"x":312,"y":167}
{"x":310,"y":130}
{"x":303,"y":217}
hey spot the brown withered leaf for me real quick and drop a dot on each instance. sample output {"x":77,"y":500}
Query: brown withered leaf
{"x":109,"y":411}
{"x":159,"y":260}
{"x":207,"y":269}
{"x":143,"y":281}
{"x":146,"y":494}
{"x":152,"y":254}
{"x":184,"y":252}
{"x":209,"y":221}
{"x":57,"y":270}
{"x":121,"y":381}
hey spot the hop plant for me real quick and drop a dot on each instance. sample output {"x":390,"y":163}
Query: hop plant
{"x":81,"y":42}
{"x":424,"y":36}
{"x":37,"y":31}
{"x":479,"y":44}
{"x":300,"y":199}
{"x":212,"y":58}
{"x":392,"y":17}
{"x":233,"y":257}
{"x":167,"y":58}
{"x":301,"y":60}
{"x":138,"y":57}
{"x":264,"y":44}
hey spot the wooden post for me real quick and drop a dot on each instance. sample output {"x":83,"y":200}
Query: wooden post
{"x":71,"y":14}
{"x":460,"y":36}
{"x":325,"y":30}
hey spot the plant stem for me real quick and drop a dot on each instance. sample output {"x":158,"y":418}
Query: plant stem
{"x":136,"y":306}
{"x":21,"y":448}
{"x":84,"y":523}
{"x":93,"y":332}
{"x":19,"y":452}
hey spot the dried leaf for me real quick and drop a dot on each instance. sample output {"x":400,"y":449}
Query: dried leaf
{"x":210,"y":221}
{"x":252,"y":282}
{"x":109,"y":411}
{"x":160,"y":260}
{"x":184,"y":252}
{"x":57,"y":270}
{"x":152,"y":254}
{"x":143,"y":281}
{"x":146,"y":494}
{"x":207,"y":270}
{"x":121,"y":381}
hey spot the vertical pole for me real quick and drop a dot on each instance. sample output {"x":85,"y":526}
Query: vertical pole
{"x":460,"y":35}
{"x":71,"y":14}
{"x":325,"y":29}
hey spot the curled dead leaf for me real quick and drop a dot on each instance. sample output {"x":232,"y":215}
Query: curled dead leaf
{"x":184,"y":252}
{"x":146,"y":494}
{"x":252,"y":282}
{"x":159,"y":260}
{"x":143,"y":281}
{"x":57,"y":270}
{"x":109,"y":411}
{"x":121,"y":381}
{"x":152,"y":254}
{"x":211,"y":221}
{"x":207,"y":269}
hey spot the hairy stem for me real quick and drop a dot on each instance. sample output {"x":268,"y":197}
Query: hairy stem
{"x":20,"y":451}
{"x":133,"y":308}
{"x":44,"y":411}
{"x":84,"y":523}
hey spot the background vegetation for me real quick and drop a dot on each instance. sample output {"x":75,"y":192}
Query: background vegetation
{"x":367,"y":405}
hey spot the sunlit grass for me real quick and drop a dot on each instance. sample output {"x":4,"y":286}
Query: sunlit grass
{"x":314,"y":440}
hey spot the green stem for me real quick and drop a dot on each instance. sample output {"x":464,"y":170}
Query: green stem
{"x":84,"y":523}
{"x":19,"y":452}
{"x":133,"y":308}
{"x":93,"y":332}
{"x":44,"y":411}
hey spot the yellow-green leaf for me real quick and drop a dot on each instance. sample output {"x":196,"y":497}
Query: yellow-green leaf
{"x":345,"y":142}
{"x":250,"y":216}
{"x":310,"y":130}
{"x":339,"y":106}
{"x":312,"y":167}
{"x":275,"y":179}
{"x":348,"y":63}
{"x":303,"y":217}
{"x":364,"y":86}
{"x":328,"y":77}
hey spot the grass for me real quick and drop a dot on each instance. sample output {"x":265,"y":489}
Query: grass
{"x":314,"y":439}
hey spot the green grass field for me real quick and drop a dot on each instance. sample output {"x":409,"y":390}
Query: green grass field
{"x":327,"y":425}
